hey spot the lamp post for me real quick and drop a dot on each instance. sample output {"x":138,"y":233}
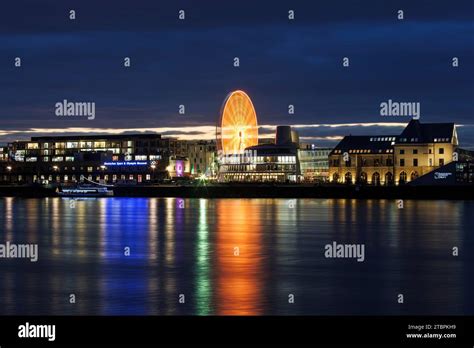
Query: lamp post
{"x":55,"y":169}
{"x":153,"y":167}
{"x":102,"y":169}
{"x":9,"y":169}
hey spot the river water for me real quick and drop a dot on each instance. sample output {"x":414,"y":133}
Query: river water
{"x":171,"y":256}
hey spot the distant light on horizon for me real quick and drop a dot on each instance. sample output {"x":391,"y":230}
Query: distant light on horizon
{"x":206,"y":132}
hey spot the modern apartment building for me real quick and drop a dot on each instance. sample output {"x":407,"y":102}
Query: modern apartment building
{"x":109,"y":158}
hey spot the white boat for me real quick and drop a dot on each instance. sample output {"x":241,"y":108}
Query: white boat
{"x":85,"y":191}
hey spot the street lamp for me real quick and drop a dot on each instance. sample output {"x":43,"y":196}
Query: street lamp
{"x":55,"y":168}
{"x":153,"y":167}
{"x":9,"y":168}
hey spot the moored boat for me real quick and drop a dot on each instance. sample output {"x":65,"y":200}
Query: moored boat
{"x":85,"y":191}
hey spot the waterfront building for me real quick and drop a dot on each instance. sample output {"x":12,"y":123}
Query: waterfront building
{"x":363,"y":159}
{"x":3,"y":153}
{"x":453,"y":173}
{"x":423,"y":147}
{"x":202,"y":156}
{"x":109,"y":158}
{"x":314,"y":163}
{"x":393,"y":159}
{"x":277,"y":162}
{"x":178,"y":167}
{"x":243,"y":157}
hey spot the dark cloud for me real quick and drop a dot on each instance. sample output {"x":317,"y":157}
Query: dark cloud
{"x":190,"y":62}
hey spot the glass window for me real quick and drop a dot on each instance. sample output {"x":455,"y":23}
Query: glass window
{"x":72,"y":145}
{"x":32,"y":146}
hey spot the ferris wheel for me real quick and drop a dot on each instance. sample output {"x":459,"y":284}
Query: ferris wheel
{"x":237,"y":128}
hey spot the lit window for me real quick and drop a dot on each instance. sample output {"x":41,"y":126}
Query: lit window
{"x":72,"y":145}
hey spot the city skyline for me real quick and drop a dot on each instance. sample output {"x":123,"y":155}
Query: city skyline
{"x":190,"y":63}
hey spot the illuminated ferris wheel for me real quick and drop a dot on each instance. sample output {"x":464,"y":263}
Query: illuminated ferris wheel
{"x":237,"y":128}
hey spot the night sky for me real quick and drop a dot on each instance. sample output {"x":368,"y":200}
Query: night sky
{"x":190,"y":62}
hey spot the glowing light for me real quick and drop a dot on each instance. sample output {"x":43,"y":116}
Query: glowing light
{"x":125,"y":163}
{"x":238,"y":127}
{"x":179,"y":168}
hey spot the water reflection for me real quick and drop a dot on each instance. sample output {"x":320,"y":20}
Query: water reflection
{"x":203,"y":264}
{"x":238,"y":261}
{"x":236,"y":256}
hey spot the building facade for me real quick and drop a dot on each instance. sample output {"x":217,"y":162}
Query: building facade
{"x":393,"y":159}
{"x":362,"y":160}
{"x":178,"y":167}
{"x":277,"y":162}
{"x":314,"y":163}
{"x":202,"y":158}
{"x":107,"y":158}
{"x":421,"y":148}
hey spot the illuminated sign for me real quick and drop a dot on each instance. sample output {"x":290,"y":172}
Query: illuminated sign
{"x":441,"y":176}
{"x":126,"y":163}
{"x":179,"y":168}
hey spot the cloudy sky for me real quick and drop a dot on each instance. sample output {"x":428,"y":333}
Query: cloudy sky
{"x":190,"y":62}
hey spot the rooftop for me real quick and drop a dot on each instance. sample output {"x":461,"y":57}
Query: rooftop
{"x":97,"y":137}
{"x":416,"y":132}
